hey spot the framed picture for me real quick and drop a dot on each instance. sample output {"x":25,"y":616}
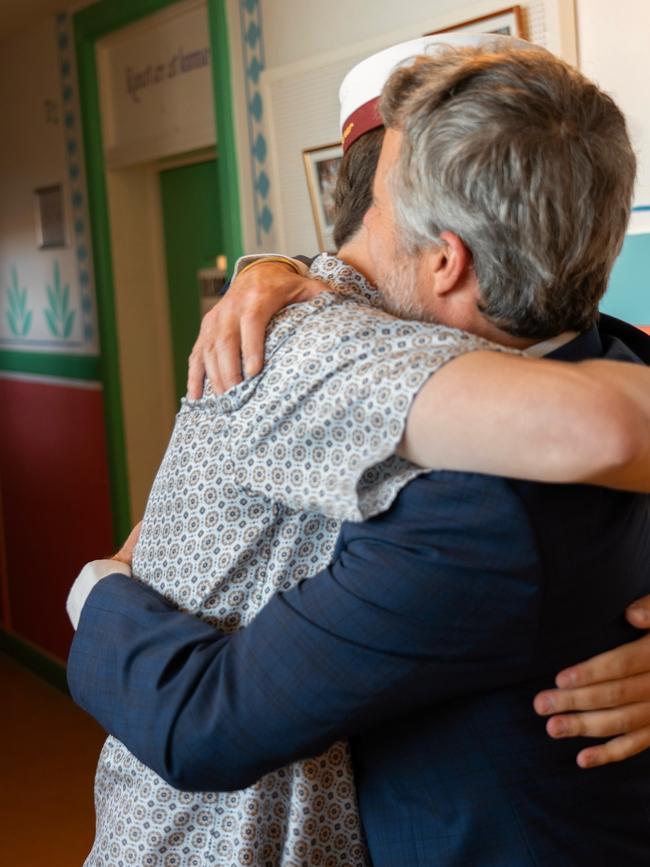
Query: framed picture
{"x":50,"y":219}
{"x":505,"y":22}
{"x":322,"y":167}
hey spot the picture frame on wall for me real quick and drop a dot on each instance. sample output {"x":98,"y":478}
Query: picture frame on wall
{"x":321,"y":167}
{"x":504,"y":22}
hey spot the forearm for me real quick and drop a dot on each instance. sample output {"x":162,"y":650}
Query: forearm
{"x":208,"y":711}
{"x":134,"y":665}
{"x":364,"y":641}
{"x":538,"y":419}
{"x":629,"y":397}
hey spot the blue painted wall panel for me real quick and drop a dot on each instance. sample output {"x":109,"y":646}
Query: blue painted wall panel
{"x":628,"y":294}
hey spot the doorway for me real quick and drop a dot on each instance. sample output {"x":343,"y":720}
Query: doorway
{"x":124,"y":195}
{"x":193,"y":239}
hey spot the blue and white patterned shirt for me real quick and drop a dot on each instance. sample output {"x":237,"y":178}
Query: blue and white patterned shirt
{"x":248,"y":501}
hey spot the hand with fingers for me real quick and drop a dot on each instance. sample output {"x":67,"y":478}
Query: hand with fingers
{"x":233,"y":332}
{"x":606,"y":696}
{"x":125,"y":554}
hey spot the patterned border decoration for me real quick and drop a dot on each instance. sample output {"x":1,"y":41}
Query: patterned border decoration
{"x":77,"y":176}
{"x":252,"y":41}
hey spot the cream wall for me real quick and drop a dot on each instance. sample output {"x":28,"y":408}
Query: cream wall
{"x":296,"y":30}
{"x":613,"y":47}
{"x":613,"y":43}
{"x":39,"y":147}
{"x":288,"y":58}
{"x":157,"y":138}
{"x":143,"y":328}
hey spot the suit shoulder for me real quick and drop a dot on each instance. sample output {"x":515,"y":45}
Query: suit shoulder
{"x":471,"y":515}
{"x":473,"y":491}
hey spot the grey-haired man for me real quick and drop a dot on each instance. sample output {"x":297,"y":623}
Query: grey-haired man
{"x":439,"y":619}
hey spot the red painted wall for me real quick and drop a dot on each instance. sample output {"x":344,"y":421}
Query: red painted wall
{"x":4,"y":586}
{"x":55,"y":497}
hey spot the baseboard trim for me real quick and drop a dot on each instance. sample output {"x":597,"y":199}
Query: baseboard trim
{"x":35,"y":659}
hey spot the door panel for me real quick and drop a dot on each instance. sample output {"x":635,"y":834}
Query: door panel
{"x":193,"y":238}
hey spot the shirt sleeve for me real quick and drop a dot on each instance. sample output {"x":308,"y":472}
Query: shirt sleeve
{"x":86,"y":580}
{"x":335,"y":404}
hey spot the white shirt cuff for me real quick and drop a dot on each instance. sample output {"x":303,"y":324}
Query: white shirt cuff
{"x":90,"y":575}
{"x":243,"y":261}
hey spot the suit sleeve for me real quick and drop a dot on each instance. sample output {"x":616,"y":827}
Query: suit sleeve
{"x":437,"y":598}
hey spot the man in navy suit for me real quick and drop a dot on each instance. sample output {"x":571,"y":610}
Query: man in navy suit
{"x":437,"y":622}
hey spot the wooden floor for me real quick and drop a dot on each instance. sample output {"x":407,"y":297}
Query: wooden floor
{"x":49,"y":751}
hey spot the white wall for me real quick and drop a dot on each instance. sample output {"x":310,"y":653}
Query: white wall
{"x":614,"y":50}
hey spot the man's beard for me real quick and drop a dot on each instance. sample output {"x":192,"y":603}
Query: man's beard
{"x":397,"y":285}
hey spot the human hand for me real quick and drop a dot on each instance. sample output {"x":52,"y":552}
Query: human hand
{"x":125,"y":554}
{"x":235,"y":327}
{"x":605,"y":696}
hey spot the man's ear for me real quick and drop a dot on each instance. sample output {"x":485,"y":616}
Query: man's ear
{"x":449,"y":263}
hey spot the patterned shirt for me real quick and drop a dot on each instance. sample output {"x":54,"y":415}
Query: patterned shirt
{"x":248,"y":501}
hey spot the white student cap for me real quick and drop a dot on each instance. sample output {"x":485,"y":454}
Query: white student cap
{"x":362,"y":86}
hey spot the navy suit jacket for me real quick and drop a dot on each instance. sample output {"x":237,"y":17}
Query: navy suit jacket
{"x":425,"y":642}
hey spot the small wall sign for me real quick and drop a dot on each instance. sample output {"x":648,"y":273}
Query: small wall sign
{"x":50,"y":217}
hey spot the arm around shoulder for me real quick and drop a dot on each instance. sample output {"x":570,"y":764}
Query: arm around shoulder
{"x":537,"y":419}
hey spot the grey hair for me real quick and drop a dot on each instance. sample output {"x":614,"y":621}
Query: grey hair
{"x":529,"y":163}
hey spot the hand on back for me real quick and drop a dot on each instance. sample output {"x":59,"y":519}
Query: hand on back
{"x":606,"y":696}
{"x":233,"y":332}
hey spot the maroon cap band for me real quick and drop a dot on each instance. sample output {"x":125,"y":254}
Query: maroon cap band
{"x":362,"y":120}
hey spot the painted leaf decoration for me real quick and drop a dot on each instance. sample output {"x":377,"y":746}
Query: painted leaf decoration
{"x":68,"y":324}
{"x":58,"y":311}
{"x":51,"y":321}
{"x":18,"y":317}
{"x":50,"y":296}
{"x":66,"y":298}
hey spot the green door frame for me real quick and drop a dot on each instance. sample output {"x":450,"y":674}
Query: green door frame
{"x":91,"y":24}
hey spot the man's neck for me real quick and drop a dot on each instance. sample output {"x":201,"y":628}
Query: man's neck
{"x":533,"y":347}
{"x":354,"y":252}
{"x":481,"y":327}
